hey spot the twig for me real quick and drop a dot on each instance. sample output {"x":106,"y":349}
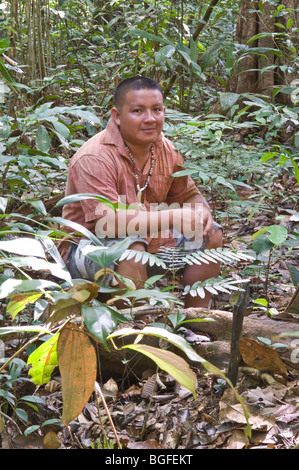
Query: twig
{"x":99,"y":392}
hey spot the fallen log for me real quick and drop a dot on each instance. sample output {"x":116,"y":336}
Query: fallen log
{"x":218,"y":350}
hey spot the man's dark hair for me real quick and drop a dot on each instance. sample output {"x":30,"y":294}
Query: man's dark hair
{"x":133,"y":83}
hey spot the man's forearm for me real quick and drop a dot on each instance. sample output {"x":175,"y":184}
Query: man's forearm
{"x":145,"y":223}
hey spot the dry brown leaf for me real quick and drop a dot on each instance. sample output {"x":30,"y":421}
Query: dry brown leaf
{"x":150,"y":444}
{"x":51,"y":441}
{"x":149,"y":387}
{"x":78,"y":368}
{"x":261,"y":357}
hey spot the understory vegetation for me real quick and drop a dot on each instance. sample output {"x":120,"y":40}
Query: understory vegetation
{"x":70,"y":373}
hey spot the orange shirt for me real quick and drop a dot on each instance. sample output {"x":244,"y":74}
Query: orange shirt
{"x":102,"y":166}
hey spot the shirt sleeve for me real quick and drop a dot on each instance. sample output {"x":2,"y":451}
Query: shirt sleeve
{"x":94,"y":174}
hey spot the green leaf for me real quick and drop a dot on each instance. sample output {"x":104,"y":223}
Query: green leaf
{"x":262,"y":244}
{"x":38,"y":205}
{"x":151,"y":37}
{"x":227,"y":100}
{"x":23,"y":246}
{"x":13,"y":286}
{"x":3,"y":203}
{"x":82,"y":196}
{"x":294,"y":272}
{"x":77,"y":228}
{"x":101,"y":320}
{"x":278,"y":234}
{"x":43,"y":360}
{"x":22,"y":414}
{"x":106,"y":255}
{"x":164,"y":53}
{"x":296,"y":168}
{"x":172,"y":338}
{"x":43,"y":141}
{"x":177,"y":367}
{"x":20,"y":301}
{"x":6,"y":330}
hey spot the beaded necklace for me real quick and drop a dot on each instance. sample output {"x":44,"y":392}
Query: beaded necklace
{"x":139,"y":190}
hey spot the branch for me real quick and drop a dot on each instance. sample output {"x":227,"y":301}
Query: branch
{"x":205,"y":19}
{"x":201,"y":24}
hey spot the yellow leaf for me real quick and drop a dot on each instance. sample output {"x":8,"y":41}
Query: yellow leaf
{"x":175,"y":365}
{"x":78,"y":368}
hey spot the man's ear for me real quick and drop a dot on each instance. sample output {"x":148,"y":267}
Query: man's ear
{"x":115,"y":115}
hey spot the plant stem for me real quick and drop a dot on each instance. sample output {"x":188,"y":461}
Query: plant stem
{"x":267,"y":274}
{"x":99,"y":392}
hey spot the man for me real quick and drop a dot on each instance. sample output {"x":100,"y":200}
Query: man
{"x":133,"y":163}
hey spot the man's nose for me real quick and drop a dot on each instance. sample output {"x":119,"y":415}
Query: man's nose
{"x":149,"y":116}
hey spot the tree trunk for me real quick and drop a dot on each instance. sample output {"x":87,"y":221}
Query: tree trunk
{"x":261,"y":72}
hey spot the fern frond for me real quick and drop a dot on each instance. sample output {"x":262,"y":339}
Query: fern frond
{"x":175,"y":257}
{"x":214,"y":286}
{"x":144,"y":257}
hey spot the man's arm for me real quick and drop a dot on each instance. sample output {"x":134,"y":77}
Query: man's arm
{"x":199,"y":203}
{"x":147,"y":223}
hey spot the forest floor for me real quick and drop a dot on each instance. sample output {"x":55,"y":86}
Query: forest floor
{"x":154,"y":412}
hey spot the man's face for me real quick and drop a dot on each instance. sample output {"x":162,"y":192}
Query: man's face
{"x":141,"y":117}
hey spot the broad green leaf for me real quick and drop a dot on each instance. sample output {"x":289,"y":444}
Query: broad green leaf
{"x":38,"y":205}
{"x":278,"y":234}
{"x":106,"y":255}
{"x":101,"y":320}
{"x":295,"y":166}
{"x":262,"y":244}
{"x":43,"y":361}
{"x":82,"y":196}
{"x":164,"y":53}
{"x":177,"y":367}
{"x":23,"y":246}
{"x":77,"y":362}
{"x":13,"y":286}
{"x":22,"y":414}
{"x":83,"y":114}
{"x":227,"y":100}
{"x":19,"y":302}
{"x":184,"y":173}
{"x":77,"y":228}
{"x":5,"y":330}
{"x":43,"y":141}
{"x":172,"y":338}
{"x":39,"y":264}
